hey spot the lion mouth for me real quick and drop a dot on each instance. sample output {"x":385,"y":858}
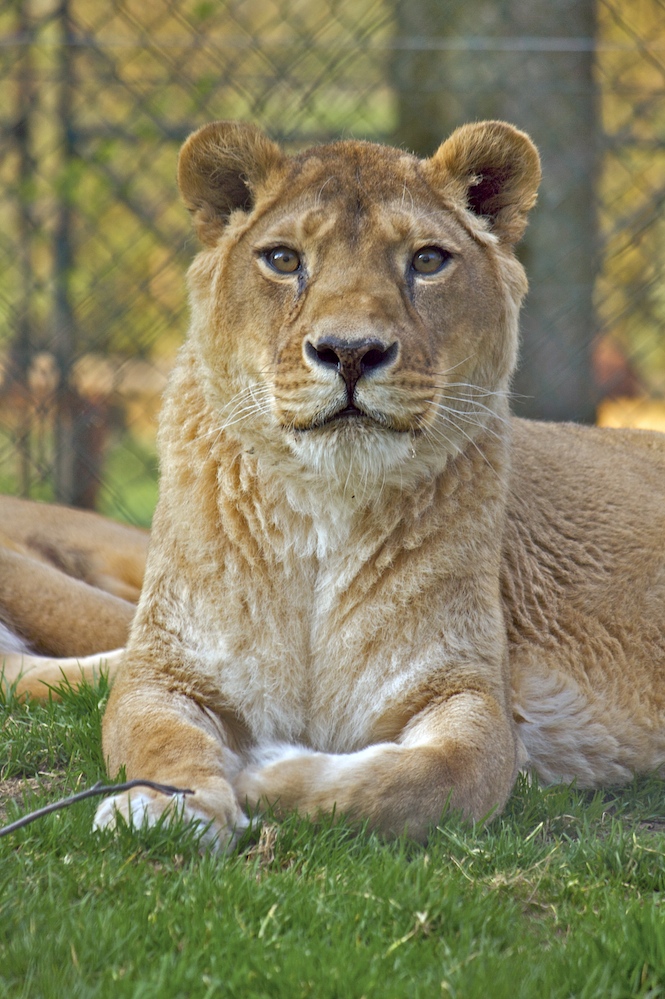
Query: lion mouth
{"x":349,"y":416}
{"x":346,"y":416}
{"x":350,"y":412}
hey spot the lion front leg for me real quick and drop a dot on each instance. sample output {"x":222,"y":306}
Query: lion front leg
{"x":459,"y":754}
{"x":170,"y":739}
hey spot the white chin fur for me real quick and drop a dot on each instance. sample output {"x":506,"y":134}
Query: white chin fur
{"x":352,"y":454}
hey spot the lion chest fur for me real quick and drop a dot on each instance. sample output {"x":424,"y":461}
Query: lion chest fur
{"x":314,"y":615}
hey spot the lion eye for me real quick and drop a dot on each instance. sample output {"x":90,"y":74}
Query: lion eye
{"x":283,"y":259}
{"x":430,"y":260}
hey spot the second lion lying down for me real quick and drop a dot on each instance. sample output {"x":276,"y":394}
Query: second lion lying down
{"x":369,"y":589}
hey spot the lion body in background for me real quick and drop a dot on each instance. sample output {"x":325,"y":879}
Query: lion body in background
{"x":69,"y":582}
{"x":370,"y":590}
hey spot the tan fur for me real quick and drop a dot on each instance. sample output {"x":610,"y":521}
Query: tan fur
{"x":69,"y":581}
{"x":369,"y":611}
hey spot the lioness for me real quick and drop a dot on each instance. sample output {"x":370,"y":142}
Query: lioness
{"x":369,"y":589}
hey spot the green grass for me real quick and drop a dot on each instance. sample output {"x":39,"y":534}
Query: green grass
{"x":559,"y":897}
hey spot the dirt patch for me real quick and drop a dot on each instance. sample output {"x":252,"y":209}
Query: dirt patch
{"x":15,"y":789}
{"x":653,"y":825}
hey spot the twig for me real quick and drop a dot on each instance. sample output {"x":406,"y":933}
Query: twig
{"x":98,"y":788}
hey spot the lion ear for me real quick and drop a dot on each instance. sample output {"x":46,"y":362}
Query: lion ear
{"x":219,"y":169}
{"x":494,"y":170}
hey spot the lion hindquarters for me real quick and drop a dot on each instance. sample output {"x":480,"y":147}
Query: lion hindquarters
{"x":459,"y":755}
{"x":56,"y":614}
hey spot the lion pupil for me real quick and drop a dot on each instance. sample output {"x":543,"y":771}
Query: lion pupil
{"x":283,"y":259}
{"x":429,"y":260}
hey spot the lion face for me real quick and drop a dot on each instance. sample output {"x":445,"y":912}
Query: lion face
{"x":356,"y":307}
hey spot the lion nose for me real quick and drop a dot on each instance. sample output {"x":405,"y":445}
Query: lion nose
{"x":352,"y":358}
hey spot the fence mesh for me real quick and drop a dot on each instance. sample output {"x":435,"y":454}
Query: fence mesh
{"x":630,"y":291}
{"x":97,"y":95}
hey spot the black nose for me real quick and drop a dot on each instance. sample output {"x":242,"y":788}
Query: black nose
{"x":352,"y":358}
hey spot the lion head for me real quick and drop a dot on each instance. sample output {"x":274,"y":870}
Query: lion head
{"x":354,"y":307}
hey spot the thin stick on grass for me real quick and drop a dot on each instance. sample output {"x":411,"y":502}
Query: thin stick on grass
{"x":97,"y":788}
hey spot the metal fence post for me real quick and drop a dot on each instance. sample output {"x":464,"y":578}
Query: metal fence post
{"x":529,"y":62}
{"x":21,"y":343}
{"x":63,"y":321}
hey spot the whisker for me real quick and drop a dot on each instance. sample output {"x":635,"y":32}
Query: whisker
{"x":468,"y":418}
{"x":436,"y":435}
{"x":468,"y":396}
{"x":446,"y":371}
{"x":480,"y":390}
{"x":474,"y":410}
{"x":241,"y":409}
{"x":236,"y":403}
{"x":456,"y":426}
{"x":406,"y":191}
{"x":474,"y":400}
{"x":346,"y":483}
{"x":240,"y":416}
{"x":381,"y":487}
{"x":475,"y":444}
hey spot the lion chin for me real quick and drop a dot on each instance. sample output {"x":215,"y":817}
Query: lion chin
{"x":370,"y":591}
{"x":356,"y":453}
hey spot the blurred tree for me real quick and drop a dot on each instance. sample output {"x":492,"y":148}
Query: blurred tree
{"x":529,"y":62}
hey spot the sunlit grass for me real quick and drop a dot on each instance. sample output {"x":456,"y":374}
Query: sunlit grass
{"x":560,"y":896}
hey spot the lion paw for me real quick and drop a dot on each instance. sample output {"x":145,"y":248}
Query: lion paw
{"x":146,"y":807}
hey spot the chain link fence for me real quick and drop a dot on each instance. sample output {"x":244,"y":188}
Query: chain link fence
{"x":97,"y":95}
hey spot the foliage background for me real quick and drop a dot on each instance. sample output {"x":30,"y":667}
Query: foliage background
{"x":97,"y":95}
